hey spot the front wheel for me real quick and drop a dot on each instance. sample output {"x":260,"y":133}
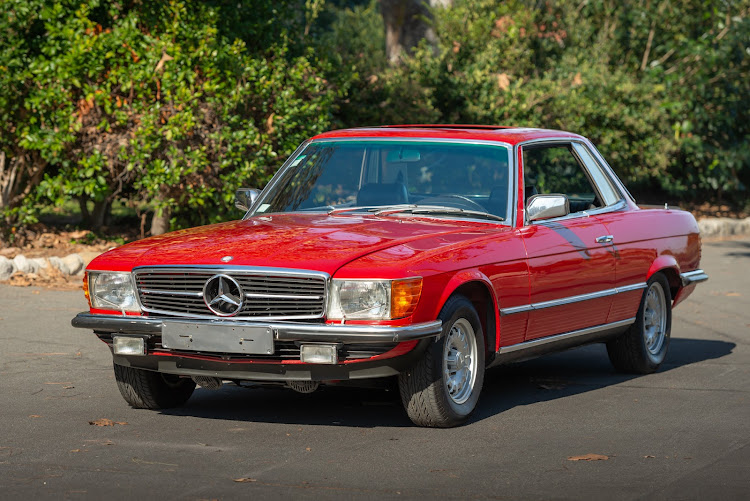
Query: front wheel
{"x":144,"y":389}
{"x":643,"y":347}
{"x":443,"y":388}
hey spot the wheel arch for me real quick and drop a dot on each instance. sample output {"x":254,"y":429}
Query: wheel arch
{"x":668,"y":266}
{"x":477,"y":288}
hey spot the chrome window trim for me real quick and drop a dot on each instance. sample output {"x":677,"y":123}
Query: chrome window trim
{"x":620,"y":205}
{"x":512,"y":168}
{"x":236,"y":270}
{"x":275,"y":180}
{"x":525,"y":345}
{"x":606,"y":169}
{"x":571,"y":299}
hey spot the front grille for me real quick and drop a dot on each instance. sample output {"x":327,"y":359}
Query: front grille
{"x":268,"y":294}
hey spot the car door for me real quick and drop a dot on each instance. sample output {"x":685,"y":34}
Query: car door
{"x":571,"y":261}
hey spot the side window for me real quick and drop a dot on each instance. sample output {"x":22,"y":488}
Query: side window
{"x":606,"y":190}
{"x":556,"y":169}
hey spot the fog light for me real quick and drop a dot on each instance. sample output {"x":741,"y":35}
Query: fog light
{"x":319,"y":353}
{"x":129,"y":345}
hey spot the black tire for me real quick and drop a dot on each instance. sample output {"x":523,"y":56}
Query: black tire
{"x":643,"y":347}
{"x":433,"y":393}
{"x":144,"y":389}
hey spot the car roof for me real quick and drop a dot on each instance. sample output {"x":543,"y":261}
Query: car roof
{"x":509,"y":135}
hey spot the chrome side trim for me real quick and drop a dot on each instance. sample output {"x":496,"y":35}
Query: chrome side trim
{"x":329,"y":333}
{"x":633,"y":287}
{"x":534,"y":343}
{"x":693,"y":277}
{"x":571,"y":299}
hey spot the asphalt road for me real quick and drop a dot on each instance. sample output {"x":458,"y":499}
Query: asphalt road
{"x":683,"y":433}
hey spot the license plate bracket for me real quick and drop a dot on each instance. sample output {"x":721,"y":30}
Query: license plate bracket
{"x":217,"y":338}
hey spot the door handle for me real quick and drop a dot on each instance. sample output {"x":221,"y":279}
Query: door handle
{"x":604,"y":239}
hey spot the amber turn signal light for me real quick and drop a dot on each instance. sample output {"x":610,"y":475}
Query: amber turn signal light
{"x":86,"y":287}
{"x":405,"y":296}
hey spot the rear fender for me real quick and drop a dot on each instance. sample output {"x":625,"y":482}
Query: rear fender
{"x":667,"y":264}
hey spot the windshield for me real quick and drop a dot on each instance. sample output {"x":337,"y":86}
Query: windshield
{"x":347,"y":176}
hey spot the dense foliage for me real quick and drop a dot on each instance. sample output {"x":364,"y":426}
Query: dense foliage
{"x":167,"y":103}
{"x":169,"y":106}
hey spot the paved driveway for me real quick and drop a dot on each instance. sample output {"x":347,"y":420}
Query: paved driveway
{"x":683,"y":433}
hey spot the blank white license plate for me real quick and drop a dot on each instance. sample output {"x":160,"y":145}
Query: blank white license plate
{"x":223,"y":338}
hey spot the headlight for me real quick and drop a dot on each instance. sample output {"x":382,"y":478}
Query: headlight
{"x":373,"y":299}
{"x":112,"y":291}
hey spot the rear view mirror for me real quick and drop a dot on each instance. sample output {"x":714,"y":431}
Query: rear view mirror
{"x":540,"y":207}
{"x":244,"y":198}
{"x":403,"y":155}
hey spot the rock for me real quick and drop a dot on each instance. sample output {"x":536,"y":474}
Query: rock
{"x":25,"y":265}
{"x":88,"y":256}
{"x":7,"y":268}
{"x":73,"y":263}
{"x":9,"y":251}
{"x":48,"y":240}
{"x":39,"y":262}
{"x":723,"y":227}
{"x":57,"y":263}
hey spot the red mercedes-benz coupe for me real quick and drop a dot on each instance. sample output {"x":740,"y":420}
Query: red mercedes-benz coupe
{"x":428,"y":253}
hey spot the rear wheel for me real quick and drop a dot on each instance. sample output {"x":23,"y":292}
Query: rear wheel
{"x":643,"y":348}
{"x":144,"y":389}
{"x":443,"y":388}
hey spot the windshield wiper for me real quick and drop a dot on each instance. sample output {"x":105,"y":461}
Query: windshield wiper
{"x":341,"y":210}
{"x":436,"y":209}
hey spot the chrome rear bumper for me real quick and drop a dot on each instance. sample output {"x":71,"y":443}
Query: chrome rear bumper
{"x":693,"y":277}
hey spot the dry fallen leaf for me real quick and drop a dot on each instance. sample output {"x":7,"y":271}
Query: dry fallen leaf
{"x":75,"y":450}
{"x":34,"y":416}
{"x":503,"y":81}
{"x":308,"y":449}
{"x":106,"y":422}
{"x":244,"y":480}
{"x":589,"y":457}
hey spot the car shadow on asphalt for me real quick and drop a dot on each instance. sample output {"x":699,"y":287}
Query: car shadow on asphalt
{"x":542,"y":379}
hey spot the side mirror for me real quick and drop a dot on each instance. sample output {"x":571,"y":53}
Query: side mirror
{"x":244,"y":198}
{"x":547,"y":206}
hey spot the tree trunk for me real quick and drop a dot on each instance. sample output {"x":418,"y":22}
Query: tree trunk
{"x":407,"y":22}
{"x":98,"y":217}
{"x":100,"y":214}
{"x":160,"y":221}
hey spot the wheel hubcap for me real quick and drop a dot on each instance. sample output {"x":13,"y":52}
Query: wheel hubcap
{"x":460,"y":361}
{"x":655,"y":319}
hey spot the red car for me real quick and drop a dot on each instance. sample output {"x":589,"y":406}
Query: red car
{"x":428,"y":253}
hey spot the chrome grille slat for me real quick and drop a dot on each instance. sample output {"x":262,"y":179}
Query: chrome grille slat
{"x":269,"y":293}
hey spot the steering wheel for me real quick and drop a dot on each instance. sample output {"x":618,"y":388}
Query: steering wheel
{"x":456,"y":201}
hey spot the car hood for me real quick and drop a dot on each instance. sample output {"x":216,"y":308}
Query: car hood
{"x":318,"y":242}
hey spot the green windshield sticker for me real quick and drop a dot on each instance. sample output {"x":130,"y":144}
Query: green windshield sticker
{"x":298,"y":160}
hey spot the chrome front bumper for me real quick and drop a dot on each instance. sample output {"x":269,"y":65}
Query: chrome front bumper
{"x":282,"y":331}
